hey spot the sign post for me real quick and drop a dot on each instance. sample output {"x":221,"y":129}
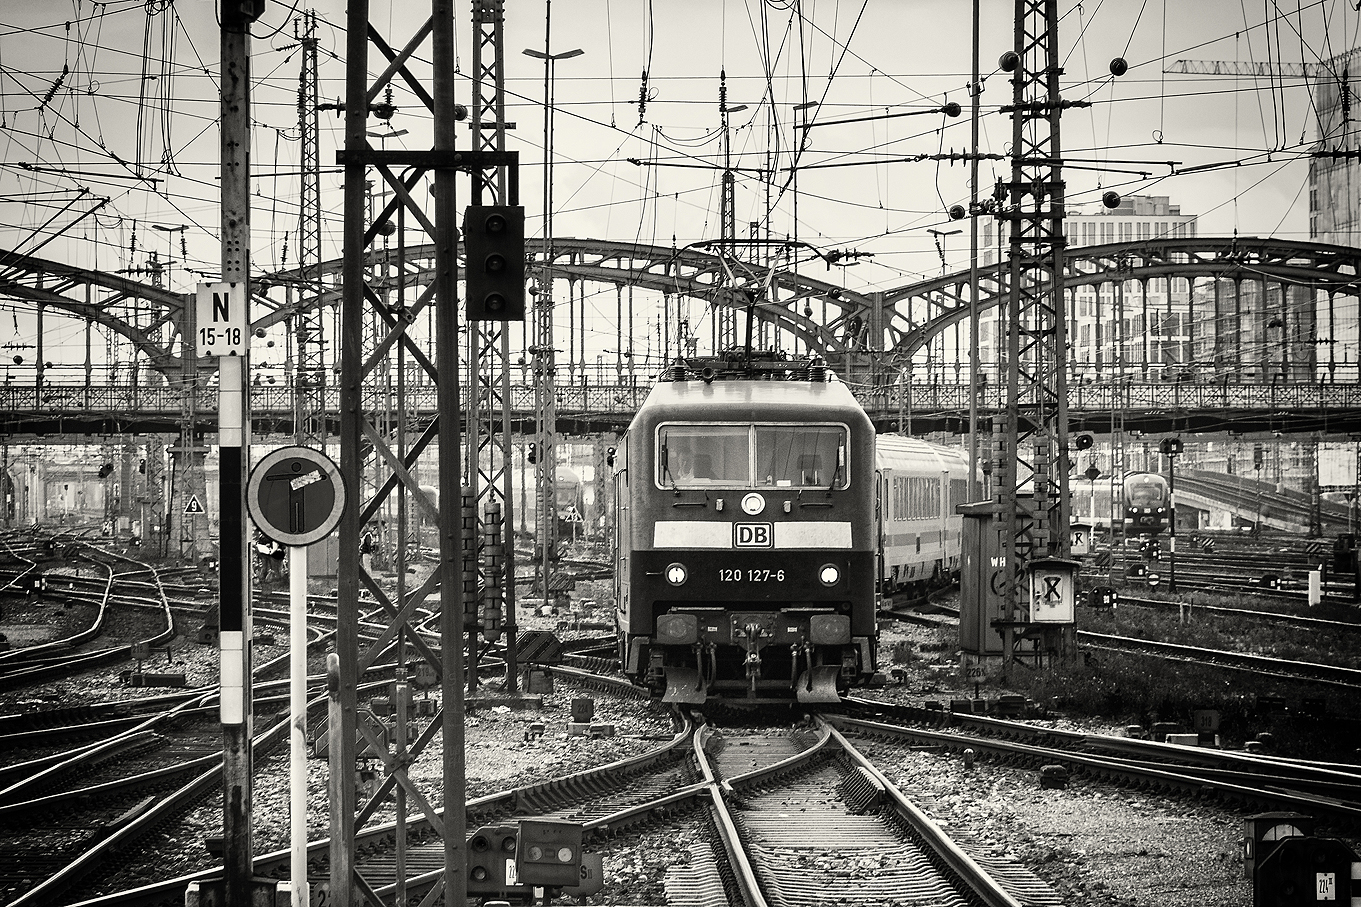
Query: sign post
{"x":296,"y":497}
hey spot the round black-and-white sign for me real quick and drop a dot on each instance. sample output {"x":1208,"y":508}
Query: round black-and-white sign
{"x":295,"y":495}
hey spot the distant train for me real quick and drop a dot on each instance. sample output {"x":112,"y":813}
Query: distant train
{"x":1147,"y":503}
{"x":570,"y":505}
{"x":1144,"y":503}
{"x":753,"y":524}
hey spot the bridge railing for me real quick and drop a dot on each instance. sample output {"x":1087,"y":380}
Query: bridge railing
{"x":619,"y":400}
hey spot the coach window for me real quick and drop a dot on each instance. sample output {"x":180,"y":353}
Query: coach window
{"x":801,"y":456}
{"x":703,"y":455}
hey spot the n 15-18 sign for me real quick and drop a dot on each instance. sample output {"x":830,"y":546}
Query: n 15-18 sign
{"x":223,"y":329}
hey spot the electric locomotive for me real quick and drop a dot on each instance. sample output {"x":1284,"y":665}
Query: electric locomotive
{"x":1147,"y":503}
{"x":745,"y":534}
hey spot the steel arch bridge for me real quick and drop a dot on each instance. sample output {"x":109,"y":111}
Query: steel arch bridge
{"x":868,"y":336}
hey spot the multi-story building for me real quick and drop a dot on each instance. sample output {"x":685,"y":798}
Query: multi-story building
{"x":1131,"y":327}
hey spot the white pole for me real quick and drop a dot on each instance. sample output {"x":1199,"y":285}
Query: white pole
{"x":1315,"y":587}
{"x":297,"y":719}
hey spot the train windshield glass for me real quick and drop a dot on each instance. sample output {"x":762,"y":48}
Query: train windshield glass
{"x":751,"y":456}
{"x":690,"y":455}
{"x":801,"y":456}
{"x":1144,"y":491}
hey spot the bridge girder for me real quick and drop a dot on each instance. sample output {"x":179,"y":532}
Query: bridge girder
{"x":699,"y":275}
{"x":1333,"y":269}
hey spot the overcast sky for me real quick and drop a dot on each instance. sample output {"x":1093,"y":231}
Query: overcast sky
{"x":117,"y":101}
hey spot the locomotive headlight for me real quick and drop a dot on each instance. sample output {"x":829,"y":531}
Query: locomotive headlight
{"x":677,"y":629}
{"x":829,"y":629}
{"x":676,"y":574}
{"x":829,"y":574}
{"x":753,"y":503}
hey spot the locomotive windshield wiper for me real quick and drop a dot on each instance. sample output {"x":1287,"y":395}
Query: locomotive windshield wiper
{"x":666,"y":468}
{"x":836,"y":471}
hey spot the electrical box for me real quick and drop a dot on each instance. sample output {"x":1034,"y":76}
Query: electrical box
{"x":1052,"y":583}
{"x":982,"y":578}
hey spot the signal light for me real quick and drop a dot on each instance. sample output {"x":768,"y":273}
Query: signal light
{"x":532,"y":453}
{"x":106,"y":470}
{"x":141,"y":467}
{"x":1170,"y":446}
{"x":494,"y":240}
{"x":1083,"y":441}
{"x":549,"y":852}
{"x":491,"y":861}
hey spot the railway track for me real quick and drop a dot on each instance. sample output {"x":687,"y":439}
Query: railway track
{"x":732,"y":792}
{"x":1238,"y":778}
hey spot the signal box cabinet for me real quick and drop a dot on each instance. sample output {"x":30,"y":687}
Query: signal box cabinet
{"x":982,"y":576}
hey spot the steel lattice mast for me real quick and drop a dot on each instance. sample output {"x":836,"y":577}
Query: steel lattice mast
{"x":309,"y":424}
{"x":1034,"y":430}
{"x":490,"y":448}
{"x":421,"y":212}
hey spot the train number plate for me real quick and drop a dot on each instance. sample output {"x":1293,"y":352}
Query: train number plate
{"x":753,"y":535}
{"x":726,"y":575}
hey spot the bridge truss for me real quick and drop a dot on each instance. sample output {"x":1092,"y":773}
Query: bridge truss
{"x":1283,"y":310}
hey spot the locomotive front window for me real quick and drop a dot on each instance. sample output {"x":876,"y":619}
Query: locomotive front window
{"x":1144,"y":492}
{"x":801,"y":456}
{"x":700,"y":455}
{"x":751,"y":456}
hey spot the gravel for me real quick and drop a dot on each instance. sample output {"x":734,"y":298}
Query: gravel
{"x":1093,"y":843}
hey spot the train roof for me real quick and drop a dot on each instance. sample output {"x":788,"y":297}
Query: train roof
{"x":733,"y":399}
{"x":895,"y":449}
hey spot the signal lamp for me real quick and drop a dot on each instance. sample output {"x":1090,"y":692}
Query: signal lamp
{"x":494,"y":242}
{"x":829,"y":574}
{"x":1083,"y":441}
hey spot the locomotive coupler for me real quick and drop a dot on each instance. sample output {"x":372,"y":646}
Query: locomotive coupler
{"x":751,"y":639}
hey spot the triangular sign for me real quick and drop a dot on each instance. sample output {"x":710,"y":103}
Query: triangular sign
{"x":193,"y":506}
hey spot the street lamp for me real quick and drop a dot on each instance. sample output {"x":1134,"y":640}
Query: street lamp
{"x":543,"y":341}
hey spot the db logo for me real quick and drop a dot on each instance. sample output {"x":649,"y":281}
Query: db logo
{"x":752,"y":535}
